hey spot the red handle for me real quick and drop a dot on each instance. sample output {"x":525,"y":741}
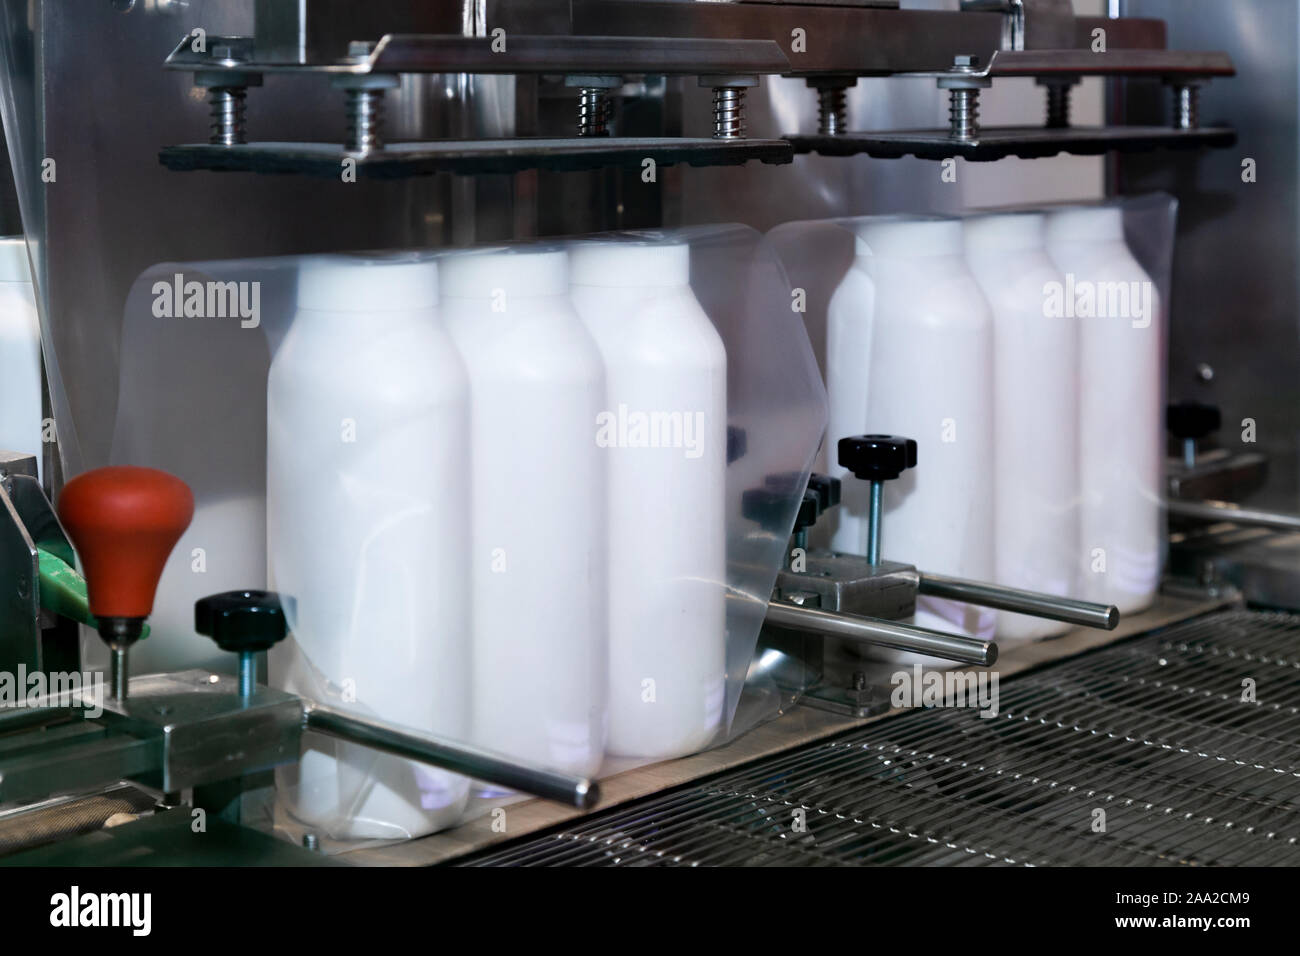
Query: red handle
{"x":124,"y":522}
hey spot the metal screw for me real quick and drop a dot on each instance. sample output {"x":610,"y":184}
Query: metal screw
{"x":857,"y":691}
{"x":832,"y":103}
{"x":963,"y":96}
{"x":1187,"y":105}
{"x":875,"y":519}
{"x":1204,"y":372}
{"x":729,"y":104}
{"x":593,"y":111}
{"x":247,"y":674}
{"x":228,"y":89}
{"x":1058,"y":100}
{"x":228,"y":125}
{"x":311,"y":842}
{"x":728,"y":113}
{"x":593,"y":102}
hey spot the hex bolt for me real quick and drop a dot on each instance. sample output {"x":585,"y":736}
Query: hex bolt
{"x":311,"y":842}
{"x":593,"y":102}
{"x":1058,"y":100}
{"x":729,"y":104}
{"x":1187,"y":105}
{"x":963,"y":83}
{"x":832,"y":103}
{"x":363,"y":95}
{"x":227,"y":89}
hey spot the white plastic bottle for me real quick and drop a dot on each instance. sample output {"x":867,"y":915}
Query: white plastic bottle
{"x":848,"y":359}
{"x":930,"y":379}
{"x":20,"y":354}
{"x":367,"y":444}
{"x":538,"y":503}
{"x":1121,"y":380}
{"x":663,"y":433}
{"x":1036,"y":409}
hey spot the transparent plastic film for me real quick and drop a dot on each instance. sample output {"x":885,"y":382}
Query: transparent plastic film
{"x":500,"y":490}
{"x":974,"y":335}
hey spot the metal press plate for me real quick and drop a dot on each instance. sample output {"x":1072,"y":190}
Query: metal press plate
{"x":474,"y":157}
{"x":1025,"y":142}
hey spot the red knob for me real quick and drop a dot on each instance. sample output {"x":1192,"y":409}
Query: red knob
{"x":124,"y":522}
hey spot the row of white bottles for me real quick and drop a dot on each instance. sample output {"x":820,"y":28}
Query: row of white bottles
{"x":1037,"y":415}
{"x":485,"y":551}
{"x":20,"y":353}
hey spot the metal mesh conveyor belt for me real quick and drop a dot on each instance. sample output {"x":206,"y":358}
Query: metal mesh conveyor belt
{"x":1153,"y":731}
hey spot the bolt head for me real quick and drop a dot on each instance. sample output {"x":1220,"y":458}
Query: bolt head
{"x":966,"y":61}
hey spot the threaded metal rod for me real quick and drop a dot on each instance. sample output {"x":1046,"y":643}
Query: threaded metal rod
{"x":365,"y":112}
{"x":729,"y":112}
{"x":593,"y":111}
{"x":964,"y":113}
{"x":227,"y":111}
{"x":1187,"y":106}
{"x":874,"y":521}
{"x":1058,"y":105}
{"x":832,"y":111}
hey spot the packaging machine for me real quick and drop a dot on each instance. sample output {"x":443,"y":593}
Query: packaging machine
{"x":150,"y":137}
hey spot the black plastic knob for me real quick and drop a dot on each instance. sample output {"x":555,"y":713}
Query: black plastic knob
{"x":1192,"y":419}
{"x":827,"y":489}
{"x":809,"y":510}
{"x":877,"y":457}
{"x":761,"y":505}
{"x":241,"y":621}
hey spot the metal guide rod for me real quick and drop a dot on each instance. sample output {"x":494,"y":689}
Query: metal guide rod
{"x":1226,"y":511}
{"x":577,"y":792}
{"x":902,"y":637}
{"x":1084,"y":613}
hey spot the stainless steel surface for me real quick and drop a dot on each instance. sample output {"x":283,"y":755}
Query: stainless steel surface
{"x":1220,"y":476}
{"x":902,"y":637}
{"x":1226,"y":511}
{"x":618,"y":55}
{"x":451,"y":755}
{"x":852,"y":585}
{"x":202,"y":731}
{"x":1235,"y":295}
{"x":1140,"y":754}
{"x":1049,"y":606}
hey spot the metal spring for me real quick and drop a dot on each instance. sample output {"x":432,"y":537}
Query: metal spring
{"x":964,"y":113}
{"x":227,"y":112}
{"x":1187,"y":106}
{"x":593,"y":111}
{"x":1058,"y":105}
{"x":832,"y":111}
{"x":729,"y":112}
{"x":365,"y":112}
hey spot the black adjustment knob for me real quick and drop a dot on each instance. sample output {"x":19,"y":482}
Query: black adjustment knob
{"x":1193,"y":420}
{"x":242,"y":621}
{"x":761,"y":505}
{"x":809,"y":510}
{"x":827,"y":489}
{"x":877,"y":457}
